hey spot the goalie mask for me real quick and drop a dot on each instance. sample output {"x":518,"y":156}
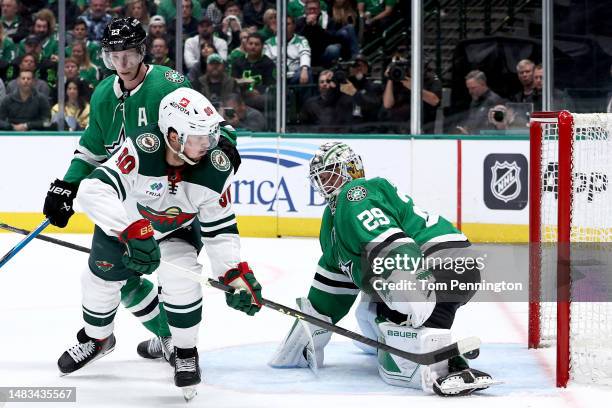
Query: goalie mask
{"x":192,"y":117}
{"x":123,"y":43}
{"x":332,"y":166}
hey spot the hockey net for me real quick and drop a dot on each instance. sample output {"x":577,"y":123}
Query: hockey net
{"x":570,"y":216}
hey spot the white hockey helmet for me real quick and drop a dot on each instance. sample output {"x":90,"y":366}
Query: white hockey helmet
{"x":190,"y":114}
{"x":332,"y":166}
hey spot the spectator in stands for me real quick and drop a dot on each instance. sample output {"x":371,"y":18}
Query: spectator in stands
{"x":87,"y":70}
{"x":138,"y":10}
{"x":96,"y":19}
{"x":215,"y":84}
{"x":28,"y":63}
{"x":298,"y":55}
{"x":167,"y":9}
{"x":159,"y":53}
{"x":269,"y":28}
{"x":241,"y":116}
{"x":253,"y":12}
{"x":366,"y":94}
{"x":342,"y":23}
{"x":396,"y":97}
{"x":483,"y":99}
{"x":524,"y":71}
{"x":376,"y":14}
{"x":45,"y":68}
{"x":295,"y":8}
{"x":255,"y":70}
{"x":205,"y":34}
{"x":24,"y":109}
{"x":76,"y":107}
{"x":325,"y":46}
{"x":561,"y":100}
{"x":331,"y":110}
{"x":231,"y":25}
{"x":79,"y":33}
{"x":44,"y":26}
{"x":14,"y":27}
{"x":8,"y":51}
{"x":216,"y":10}
{"x":206,"y":50}
{"x":157,"y":29}
{"x":190,"y":23}
{"x":241,"y":50}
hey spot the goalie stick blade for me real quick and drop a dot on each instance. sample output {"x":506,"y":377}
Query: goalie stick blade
{"x":460,"y":347}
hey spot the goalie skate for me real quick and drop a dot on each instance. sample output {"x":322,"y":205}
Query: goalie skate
{"x":157,"y":347}
{"x":463,"y":382}
{"x":85,"y":352}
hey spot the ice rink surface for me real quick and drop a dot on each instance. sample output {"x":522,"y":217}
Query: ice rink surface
{"x":40,"y":314}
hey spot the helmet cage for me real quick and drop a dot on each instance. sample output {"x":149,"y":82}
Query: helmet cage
{"x":328,"y":177}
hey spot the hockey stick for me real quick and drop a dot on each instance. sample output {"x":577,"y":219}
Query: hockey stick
{"x":29,"y":236}
{"x":460,"y":347}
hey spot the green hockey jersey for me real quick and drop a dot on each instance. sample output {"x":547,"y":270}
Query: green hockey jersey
{"x":115,"y":113}
{"x":372,"y":219}
{"x":136,"y":182}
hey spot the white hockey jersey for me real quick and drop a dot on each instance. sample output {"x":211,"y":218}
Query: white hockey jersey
{"x":136,"y":182}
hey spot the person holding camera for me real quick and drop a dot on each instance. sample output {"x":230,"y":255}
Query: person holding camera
{"x":331,"y":110}
{"x":241,"y":116}
{"x":396,"y":96}
{"x":483,"y":99}
{"x":503,"y":118}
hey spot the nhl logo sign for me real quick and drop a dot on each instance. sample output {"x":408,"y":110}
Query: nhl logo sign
{"x":505,"y":181}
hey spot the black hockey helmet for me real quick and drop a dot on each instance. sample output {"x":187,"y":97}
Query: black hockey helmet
{"x":123,"y":34}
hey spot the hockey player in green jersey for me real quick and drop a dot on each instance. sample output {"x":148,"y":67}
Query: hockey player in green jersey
{"x":120,"y":104}
{"x":377,"y":242}
{"x":164,"y":193}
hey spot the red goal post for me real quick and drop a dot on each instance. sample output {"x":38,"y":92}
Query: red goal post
{"x":564,"y":146}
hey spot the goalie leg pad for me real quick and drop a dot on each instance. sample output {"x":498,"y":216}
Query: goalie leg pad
{"x":303,"y":346}
{"x":366,"y":319}
{"x":404,"y":373}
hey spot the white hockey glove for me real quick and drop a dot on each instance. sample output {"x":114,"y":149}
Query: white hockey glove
{"x":303,"y":346}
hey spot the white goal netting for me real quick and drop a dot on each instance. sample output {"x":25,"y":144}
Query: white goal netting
{"x":591,"y":222}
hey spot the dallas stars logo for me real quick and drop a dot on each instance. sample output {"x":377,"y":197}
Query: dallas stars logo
{"x":110,"y":149}
{"x":357,"y":193}
{"x":166,"y":220}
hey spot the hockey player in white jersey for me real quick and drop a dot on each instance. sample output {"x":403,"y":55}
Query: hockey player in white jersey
{"x":163,"y":194}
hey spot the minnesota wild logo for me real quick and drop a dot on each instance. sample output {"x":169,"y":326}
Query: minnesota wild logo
{"x":104,"y":266}
{"x":166,"y":220}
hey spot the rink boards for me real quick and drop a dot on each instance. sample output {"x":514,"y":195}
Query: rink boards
{"x":478,"y":182}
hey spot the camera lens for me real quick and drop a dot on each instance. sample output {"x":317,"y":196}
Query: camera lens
{"x":498,"y":116}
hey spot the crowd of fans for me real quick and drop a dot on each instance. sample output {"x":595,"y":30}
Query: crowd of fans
{"x":230,"y":51}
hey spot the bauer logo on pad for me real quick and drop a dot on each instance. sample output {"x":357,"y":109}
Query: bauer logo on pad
{"x":505,"y":181}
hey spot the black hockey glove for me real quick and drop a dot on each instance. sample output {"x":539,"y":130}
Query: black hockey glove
{"x":231,"y":152}
{"x":58,"y":203}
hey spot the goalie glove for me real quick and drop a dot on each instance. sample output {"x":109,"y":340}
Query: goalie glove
{"x":304,"y":345}
{"x":247,"y":296}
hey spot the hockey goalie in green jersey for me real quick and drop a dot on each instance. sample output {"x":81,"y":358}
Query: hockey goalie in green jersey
{"x":163,"y":194}
{"x":377,"y":242}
